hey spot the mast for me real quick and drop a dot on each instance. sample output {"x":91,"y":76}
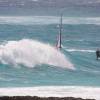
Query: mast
{"x":60,"y":34}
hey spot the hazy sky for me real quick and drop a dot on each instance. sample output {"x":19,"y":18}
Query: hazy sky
{"x":35,"y":7}
{"x":48,"y":3}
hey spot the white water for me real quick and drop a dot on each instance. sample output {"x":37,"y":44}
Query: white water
{"x":54,"y":91}
{"x":31,"y":53}
{"x":36,"y":20}
{"x":79,"y":50}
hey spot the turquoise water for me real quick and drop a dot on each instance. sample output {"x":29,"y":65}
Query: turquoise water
{"x":80,"y":39}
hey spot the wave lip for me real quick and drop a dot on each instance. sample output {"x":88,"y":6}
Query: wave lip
{"x":31,"y":53}
{"x":54,"y":91}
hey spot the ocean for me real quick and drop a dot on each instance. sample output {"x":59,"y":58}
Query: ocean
{"x":30,"y":62}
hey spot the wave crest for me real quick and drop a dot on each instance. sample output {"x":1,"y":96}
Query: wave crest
{"x":30,"y":53}
{"x":80,"y":50}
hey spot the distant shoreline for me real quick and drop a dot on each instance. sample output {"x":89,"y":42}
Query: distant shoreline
{"x":39,"y":98}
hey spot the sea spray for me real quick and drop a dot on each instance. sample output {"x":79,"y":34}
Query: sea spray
{"x":30,"y":53}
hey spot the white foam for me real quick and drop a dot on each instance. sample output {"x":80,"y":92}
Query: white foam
{"x":79,"y":50}
{"x":54,"y":91}
{"x":31,"y":53}
{"x":33,"y":20}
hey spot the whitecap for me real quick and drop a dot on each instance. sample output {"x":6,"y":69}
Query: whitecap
{"x":80,"y":50}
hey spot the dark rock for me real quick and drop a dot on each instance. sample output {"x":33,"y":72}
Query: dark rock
{"x":39,"y":98}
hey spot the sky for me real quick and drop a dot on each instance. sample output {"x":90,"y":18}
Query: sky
{"x":30,"y":7}
{"x":48,"y":3}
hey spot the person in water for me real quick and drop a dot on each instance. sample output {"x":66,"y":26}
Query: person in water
{"x":97,"y":53}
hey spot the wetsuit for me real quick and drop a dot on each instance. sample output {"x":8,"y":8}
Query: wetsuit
{"x":98,"y":54}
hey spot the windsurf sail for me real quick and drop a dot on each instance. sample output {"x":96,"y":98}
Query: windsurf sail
{"x":59,"y":40}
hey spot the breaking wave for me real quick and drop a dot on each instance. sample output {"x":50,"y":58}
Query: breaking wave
{"x":35,"y":20}
{"x":30,"y":53}
{"x":54,"y":91}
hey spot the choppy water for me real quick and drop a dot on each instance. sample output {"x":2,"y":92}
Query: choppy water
{"x":28,"y":56}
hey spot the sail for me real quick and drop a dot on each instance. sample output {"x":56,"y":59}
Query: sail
{"x":60,"y":33}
